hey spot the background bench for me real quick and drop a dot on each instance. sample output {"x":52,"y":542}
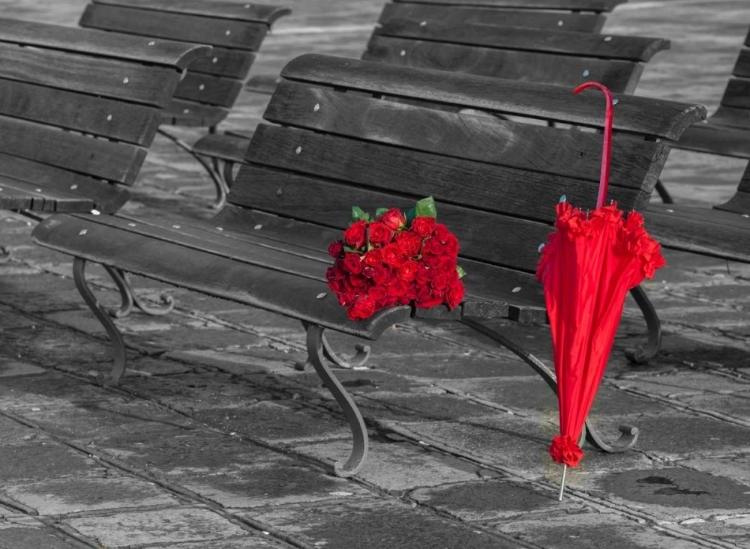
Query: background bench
{"x":78,"y":110}
{"x":211,"y":86}
{"x":496,"y":182}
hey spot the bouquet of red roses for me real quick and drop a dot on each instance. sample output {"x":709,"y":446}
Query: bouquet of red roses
{"x":395,"y":259}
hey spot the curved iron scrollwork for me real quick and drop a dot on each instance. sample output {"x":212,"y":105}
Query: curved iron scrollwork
{"x":129,"y":299}
{"x":357,"y":360}
{"x":317,"y":357}
{"x":628,"y":434}
{"x":641,"y":355}
{"x":118,"y":345}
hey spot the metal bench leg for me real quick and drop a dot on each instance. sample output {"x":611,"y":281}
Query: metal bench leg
{"x":629,"y":434}
{"x":663,"y":192}
{"x":221,"y":190}
{"x":5,"y":254}
{"x":641,"y":355}
{"x":357,"y":360}
{"x":318,"y":359}
{"x":129,"y":298}
{"x":118,"y":345}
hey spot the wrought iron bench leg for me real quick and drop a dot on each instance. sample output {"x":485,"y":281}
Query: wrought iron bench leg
{"x":118,"y":345}
{"x":315,"y":349}
{"x":129,"y":298}
{"x":5,"y":254}
{"x":357,"y":360}
{"x":221,"y":190}
{"x":629,"y":434}
{"x":666,"y":198}
{"x":641,"y":355}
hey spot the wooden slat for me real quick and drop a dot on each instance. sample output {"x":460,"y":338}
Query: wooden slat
{"x":107,"y":198}
{"x":260,"y":13}
{"x":482,"y":138}
{"x":118,"y":162}
{"x":21,"y":195}
{"x":208,"y":89}
{"x":225,"y":147}
{"x":731,"y":117}
{"x":149,"y":85}
{"x":577,"y":5}
{"x":524,"y":66}
{"x":461,"y":15}
{"x":700,"y":230}
{"x":74,"y":111}
{"x":737,"y":94}
{"x":739,"y":203}
{"x":742,"y":66}
{"x":225,"y":62}
{"x":715,"y":139}
{"x":188,"y":113}
{"x":633,"y":48}
{"x":483,"y":236}
{"x":173,"y":26}
{"x":89,"y":41}
{"x":260,"y":287}
{"x":646,"y":116}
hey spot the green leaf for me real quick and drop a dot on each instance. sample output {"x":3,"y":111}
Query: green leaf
{"x":426,"y":207}
{"x":353,"y":250}
{"x":410,"y":215}
{"x":460,"y":271}
{"x":359,"y":214}
{"x":380,"y":211}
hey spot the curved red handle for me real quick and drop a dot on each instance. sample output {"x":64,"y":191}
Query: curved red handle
{"x":607,"y":151}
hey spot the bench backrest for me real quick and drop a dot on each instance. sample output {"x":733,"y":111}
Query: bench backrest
{"x":734,"y":109}
{"x":554,"y":57}
{"x":235,"y":30}
{"x":569,"y":15}
{"x":340,"y":141}
{"x":79,"y":106}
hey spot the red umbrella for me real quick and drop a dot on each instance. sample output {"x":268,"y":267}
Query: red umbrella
{"x":587,"y":267}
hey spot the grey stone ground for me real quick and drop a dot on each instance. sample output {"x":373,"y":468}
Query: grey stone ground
{"x":213,"y":440}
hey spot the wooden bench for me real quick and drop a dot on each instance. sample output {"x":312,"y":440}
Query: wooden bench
{"x":211,"y":85}
{"x":78,"y":110}
{"x":336,"y":139}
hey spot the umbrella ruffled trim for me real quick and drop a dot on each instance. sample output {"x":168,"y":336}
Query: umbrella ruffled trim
{"x":565,"y":450}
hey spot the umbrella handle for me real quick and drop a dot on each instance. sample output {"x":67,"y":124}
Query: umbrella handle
{"x":606,"y":153}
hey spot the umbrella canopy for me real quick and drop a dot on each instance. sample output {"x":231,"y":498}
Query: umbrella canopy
{"x":587,"y":267}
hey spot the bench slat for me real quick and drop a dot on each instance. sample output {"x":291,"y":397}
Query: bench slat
{"x":209,"y":273}
{"x":173,"y":26}
{"x":74,"y":111}
{"x":315,"y":200}
{"x":737,"y":94}
{"x":149,"y":85}
{"x":117,"y":162}
{"x":21,"y":195}
{"x":578,"y":5}
{"x":189,"y":113}
{"x":483,"y":138}
{"x":222,"y":146}
{"x":715,"y":139}
{"x":225,"y":62}
{"x":742,"y":66}
{"x":230,"y":10}
{"x":89,"y":41}
{"x":208,"y":89}
{"x":731,"y":117}
{"x":562,"y":70}
{"x":107,"y":198}
{"x":647,"y":116}
{"x":461,"y":15}
{"x":709,"y":232}
{"x":633,"y":48}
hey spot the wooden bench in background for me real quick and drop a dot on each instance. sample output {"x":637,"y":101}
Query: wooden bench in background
{"x":211,"y":86}
{"x":326,"y":150}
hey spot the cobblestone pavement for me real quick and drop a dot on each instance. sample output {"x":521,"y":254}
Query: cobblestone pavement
{"x":214,"y":440}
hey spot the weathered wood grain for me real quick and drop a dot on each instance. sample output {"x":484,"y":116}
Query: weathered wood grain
{"x":229,"y":10}
{"x":225,"y":62}
{"x":189,"y":113}
{"x":577,"y":5}
{"x":208,"y":89}
{"x":715,"y":139}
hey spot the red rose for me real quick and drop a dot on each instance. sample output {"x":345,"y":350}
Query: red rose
{"x":336,"y":248}
{"x":372,"y":258}
{"x":441,"y":233}
{"x":424,"y":274}
{"x":378,"y":293}
{"x":432,"y":247}
{"x":379,"y":234}
{"x":368,"y":272}
{"x":357,"y":281}
{"x":409,"y":243}
{"x":432,"y":261}
{"x":397,"y":289}
{"x":455,"y":294}
{"x":446,"y":264}
{"x":393,"y":219}
{"x":382,"y":276}
{"x":440,"y":282}
{"x":354,"y":236}
{"x":362,"y":308}
{"x":353,"y":263}
{"x":427,"y":303}
{"x":451,"y":245}
{"x":392,"y":256}
{"x":423,"y":226}
{"x":408,"y":271}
